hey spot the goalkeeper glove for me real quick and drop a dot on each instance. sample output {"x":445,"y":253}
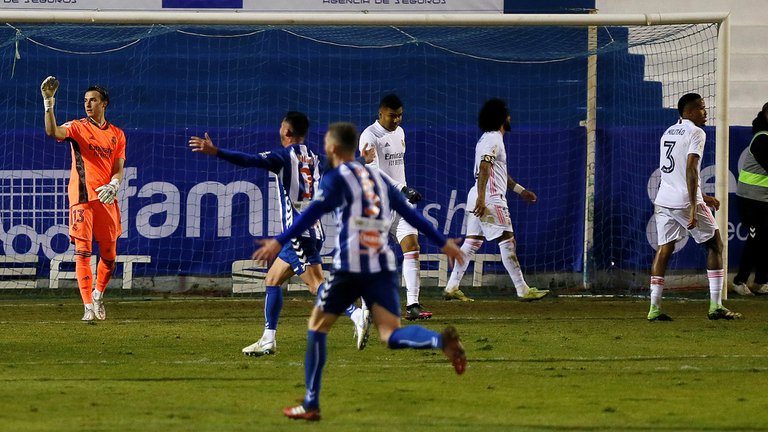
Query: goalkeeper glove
{"x":411,"y":194}
{"x":48,"y":90}
{"x":108,"y":192}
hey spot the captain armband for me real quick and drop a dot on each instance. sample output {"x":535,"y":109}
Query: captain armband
{"x":488,"y":158}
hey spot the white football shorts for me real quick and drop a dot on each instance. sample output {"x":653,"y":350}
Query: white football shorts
{"x":494,"y":222}
{"x":672,"y":223}
{"x":400,"y":228}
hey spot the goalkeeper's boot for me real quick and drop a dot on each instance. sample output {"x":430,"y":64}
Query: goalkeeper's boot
{"x":89,"y":317}
{"x":362,"y":328}
{"x":718,"y":312}
{"x":98,"y":309}
{"x":534,"y":294}
{"x":415,"y":312}
{"x":260,"y":348}
{"x":655,"y":314}
{"x":301,"y":413}
{"x":456,"y":295}
{"x":454,"y":350}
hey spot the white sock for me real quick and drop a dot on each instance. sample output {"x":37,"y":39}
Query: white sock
{"x":269,"y":335}
{"x":357,"y":315}
{"x":508,"y":257}
{"x":657,"y":286}
{"x":469,"y":248}
{"x":716,"y":286}
{"x":412,"y":277}
{"x":97,"y":294}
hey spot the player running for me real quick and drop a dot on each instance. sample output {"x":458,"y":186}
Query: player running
{"x":363,"y":264}
{"x":98,"y":156}
{"x":387,"y":140}
{"x":489,"y":217}
{"x":297,"y":170}
{"x":680,"y":206}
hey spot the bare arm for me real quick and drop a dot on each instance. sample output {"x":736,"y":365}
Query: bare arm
{"x":117,"y":170}
{"x":692,"y":181}
{"x":48,"y":90}
{"x":524,"y":193}
{"x":482,"y":181}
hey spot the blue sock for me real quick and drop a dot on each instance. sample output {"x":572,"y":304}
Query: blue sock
{"x":348,"y":312}
{"x":416,"y":337}
{"x":314,"y":361}
{"x":273,"y":304}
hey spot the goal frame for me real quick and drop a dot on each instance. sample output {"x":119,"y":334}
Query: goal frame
{"x":592,"y":20}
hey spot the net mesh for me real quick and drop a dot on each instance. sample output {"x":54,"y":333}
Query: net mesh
{"x":195,"y":215}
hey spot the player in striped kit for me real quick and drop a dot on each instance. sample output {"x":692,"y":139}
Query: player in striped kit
{"x":680,"y":206}
{"x":387,"y":140}
{"x":98,"y":156}
{"x":489,"y":217}
{"x":363,"y":265}
{"x":298,"y":171}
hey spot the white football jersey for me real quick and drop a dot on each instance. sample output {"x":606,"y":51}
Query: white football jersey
{"x":679,"y":140}
{"x":490,"y":147}
{"x":390,"y":151}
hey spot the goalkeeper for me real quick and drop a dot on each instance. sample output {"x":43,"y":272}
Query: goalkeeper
{"x":98,"y":155}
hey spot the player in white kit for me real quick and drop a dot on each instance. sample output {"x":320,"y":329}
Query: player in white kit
{"x":387,"y":139}
{"x":681,"y":208}
{"x":489,"y":217}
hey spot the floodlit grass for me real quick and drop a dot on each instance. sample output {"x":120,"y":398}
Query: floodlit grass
{"x":562,"y":364}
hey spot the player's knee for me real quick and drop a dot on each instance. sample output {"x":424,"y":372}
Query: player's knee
{"x":715,"y":245}
{"x":108,"y":251}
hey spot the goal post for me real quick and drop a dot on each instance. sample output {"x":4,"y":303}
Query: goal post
{"x":570,"y":258}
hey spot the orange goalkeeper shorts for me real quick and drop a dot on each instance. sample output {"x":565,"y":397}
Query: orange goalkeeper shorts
{"x":95,"y":219}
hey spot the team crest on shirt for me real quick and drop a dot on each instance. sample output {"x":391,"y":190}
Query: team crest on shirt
{"x":114,"y":141}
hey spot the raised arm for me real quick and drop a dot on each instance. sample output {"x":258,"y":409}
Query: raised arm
{"x":48,"y":89}
{"x":205,"y":145}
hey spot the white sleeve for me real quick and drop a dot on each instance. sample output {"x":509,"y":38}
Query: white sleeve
{"x":696,"y":142}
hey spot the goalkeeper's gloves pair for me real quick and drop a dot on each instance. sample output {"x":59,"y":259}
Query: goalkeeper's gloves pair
{"x":108,"y":192}
{"x":412,"y":195}
{"x":48,"y":90}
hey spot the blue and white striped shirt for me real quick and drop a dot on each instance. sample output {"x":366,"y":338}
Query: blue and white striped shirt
{"x":297,"y":170}
{"x":362,"y":200}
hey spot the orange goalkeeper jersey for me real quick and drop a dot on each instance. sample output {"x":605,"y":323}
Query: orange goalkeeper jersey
{"x":94,"y":152}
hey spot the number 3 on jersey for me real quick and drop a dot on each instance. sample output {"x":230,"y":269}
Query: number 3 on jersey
{"x":670,"y":165}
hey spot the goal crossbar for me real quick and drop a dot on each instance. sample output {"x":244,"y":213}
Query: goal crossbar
{"x":353,"y":18}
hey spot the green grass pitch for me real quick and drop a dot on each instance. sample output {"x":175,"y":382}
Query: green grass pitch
{"x":560,"y":364}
